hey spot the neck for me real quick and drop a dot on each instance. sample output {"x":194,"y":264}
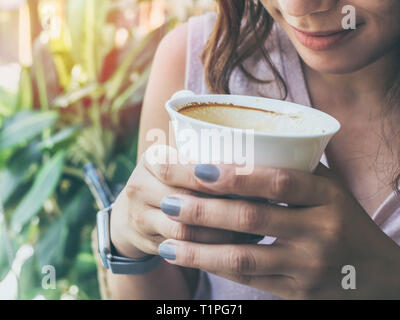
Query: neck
{"x":371,"y":83}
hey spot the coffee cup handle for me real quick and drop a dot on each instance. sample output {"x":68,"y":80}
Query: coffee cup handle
{"x":182,"y":94}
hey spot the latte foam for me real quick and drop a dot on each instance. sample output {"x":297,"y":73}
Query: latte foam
{"x":266,"y":121}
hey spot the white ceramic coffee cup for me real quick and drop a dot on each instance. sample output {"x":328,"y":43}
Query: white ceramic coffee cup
{"x":294,"y":151}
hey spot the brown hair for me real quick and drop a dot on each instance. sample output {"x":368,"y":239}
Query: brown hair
{"x":391,"y":132}
{"x":241,"y":29}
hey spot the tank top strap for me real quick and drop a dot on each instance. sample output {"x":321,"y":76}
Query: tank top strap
{"x":199,"y":30}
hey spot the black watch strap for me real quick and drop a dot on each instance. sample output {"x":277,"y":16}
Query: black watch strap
{"x":121,"y":265}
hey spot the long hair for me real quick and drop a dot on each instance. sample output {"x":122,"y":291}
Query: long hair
{"x":241,"y":29}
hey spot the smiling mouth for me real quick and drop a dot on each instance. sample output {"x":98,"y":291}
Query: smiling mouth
{"x":322,"y":40}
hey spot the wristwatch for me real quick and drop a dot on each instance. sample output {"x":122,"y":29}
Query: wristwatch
{"x":114,"y":262}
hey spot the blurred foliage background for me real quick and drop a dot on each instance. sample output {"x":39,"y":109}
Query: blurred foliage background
{"x":72,"y":80}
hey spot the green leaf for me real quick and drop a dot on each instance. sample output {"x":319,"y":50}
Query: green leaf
{"x":85,"y":264}
{"x":89,"y":37}
{"x":7,"y":102}
{"x":29,"y":279}
{"x":18,"y":170}
{"x":114,"y":84}
{"x":24,"y":126}
{"x":43,"y":187}
{"x":91,"y":34}
{"x":75,"y":12}
{"x":71,"y":97}
{"x":40,"y":78}
{"x":4,"y":263}
{"x":59,"y":137}
{"x":131,"y":91}
{"x":105,"y":33}
{"x":51,"y":246}
{"x":79,"y":207}
{"x":136,"y":59}
{"x":7,"y":250}
{"x":25,"y":98}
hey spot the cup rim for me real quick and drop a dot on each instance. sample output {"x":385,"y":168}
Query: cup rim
{"x":184,"y":100}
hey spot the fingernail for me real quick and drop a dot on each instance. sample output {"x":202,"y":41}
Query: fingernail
{"x":171,"y":206}
{"x":167,"y":251}
{"x":254,"y":238}
{"x":207,"y":172}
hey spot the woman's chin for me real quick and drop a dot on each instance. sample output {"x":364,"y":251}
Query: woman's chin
{"x":345,"y":60}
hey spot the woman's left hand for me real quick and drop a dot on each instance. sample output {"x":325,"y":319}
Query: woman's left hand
{"x":325,"y":231}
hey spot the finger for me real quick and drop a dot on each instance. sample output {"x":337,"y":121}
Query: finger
{"x":281,"y":185}
{"x":228,"y":259}
{"x":254,"y":217}
{"x":165,"y":165}
{"x":160,"y":227}
{"x":150,"y":190}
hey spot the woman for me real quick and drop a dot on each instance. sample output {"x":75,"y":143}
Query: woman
{"x":347,"y":215}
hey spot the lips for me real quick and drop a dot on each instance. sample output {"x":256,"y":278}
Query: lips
{"x":322,"y":40}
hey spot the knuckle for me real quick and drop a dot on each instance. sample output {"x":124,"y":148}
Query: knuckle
{"x":249,"y":218}
{"x":282,"y":183}
{"x":337,"y":195}
{"x":181,"y":232}
{"x":191,"y":257}
{"x":306,"y":286}
{"x":316,"y":268}
{"x":153,"y":244}
{"x":181,"y":191}
{"x":240,"y":262}
{"x":333,"y":228}
{"x":237,"y":182}
{"x":165,"y":171}
{"x":131,"y":190}
{"x":138,"y":220}
{"x":134,"y":216}
{"x":195,"y":183}
{"x":199,"y":211}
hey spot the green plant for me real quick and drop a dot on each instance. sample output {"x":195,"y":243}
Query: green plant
{"x":78,"y":103}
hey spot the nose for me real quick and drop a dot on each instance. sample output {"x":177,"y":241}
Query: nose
{"x":300,"y":8}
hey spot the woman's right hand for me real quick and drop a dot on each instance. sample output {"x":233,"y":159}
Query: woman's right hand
{"x":138,"y":225}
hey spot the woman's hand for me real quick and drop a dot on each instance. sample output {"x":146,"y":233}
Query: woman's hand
{"x":326,"y":231}
{"x":138,"y":225}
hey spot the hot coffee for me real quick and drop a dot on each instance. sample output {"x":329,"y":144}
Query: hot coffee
{"x":261,"y":120}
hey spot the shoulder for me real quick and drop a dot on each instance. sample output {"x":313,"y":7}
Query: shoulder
{"x":172,"y":49}
{"x":175,"y":40}
{"x":197,"y":28}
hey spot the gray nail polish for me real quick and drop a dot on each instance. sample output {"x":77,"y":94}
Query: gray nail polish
{"x":167,"y":251}
{"x":207,"y":172}
{"x":171,"y":206}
